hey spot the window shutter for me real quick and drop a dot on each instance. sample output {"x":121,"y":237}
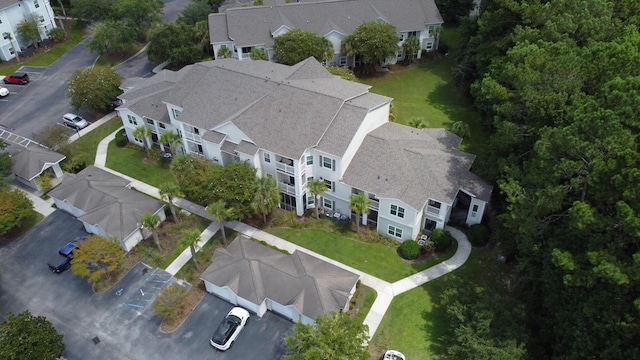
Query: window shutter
{"x":333,"y":165}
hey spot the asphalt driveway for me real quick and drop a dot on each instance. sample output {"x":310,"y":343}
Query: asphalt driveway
{"x":118,"y":323}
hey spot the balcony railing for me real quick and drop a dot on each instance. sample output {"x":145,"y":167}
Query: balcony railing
{"x":374,"y":204}
{"x":193,"y":137}
{"x":287,"y":169}
{"x":433,"y":210}
{"x":287,"y":188}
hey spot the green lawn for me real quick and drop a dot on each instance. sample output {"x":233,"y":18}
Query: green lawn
{"x":130,"y":161}
{"x":374,"y":259}
{"x":428,"y":91}
{"x":415,"y":324}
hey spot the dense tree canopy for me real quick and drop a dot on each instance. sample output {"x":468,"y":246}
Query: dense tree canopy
{"x":177,"y":43}
{"x":451,"y":10}
{"x":297,"y":45}
{"x":97,"y":258}
{"x":15,"y":207}
{"x":112,"y":36}
{"x":5,"y":161}
{"x":374,"y":42}
{"x":196,"y":11}
{"x":95,"y":87}
{"x":557,"y":82}
{"x":28,"y":337}
{"x":333,"y":337}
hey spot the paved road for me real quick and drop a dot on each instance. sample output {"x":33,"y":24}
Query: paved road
{"x":29,"y":109}
{"x":118,"y":323}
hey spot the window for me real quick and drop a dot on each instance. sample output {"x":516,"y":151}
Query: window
{"x":435,"y":204}
{"x":429,"y":46}
{"x":474,"y":211}
{"x":310,"y":178}
{"x":311,"y":199}
{"x":401,"y":38}
{"x":35,"y":3}
{"x":310,"y":160}
{"x":327,"y":162}
{"x":267,"y":158}
{"x":137,"y":140}
{"x":196,"y":131}
{"x":176,"y":113}
{"x":246,"y":50}
{"x":149,"y":121}
{"x":399,"y":54}
{"x":132,"y":120}
{"x":395,"y":232}
{"x":412,"y":33}
{"x":330,"y":185}
{"x":11,"y":51}
{"x":161,"y":125}
{"x":41,"y":18}
{"x":343,"y":61}
{"x":327,"y":203}
{"x":5,"y":35}
{"x":397,"y":211}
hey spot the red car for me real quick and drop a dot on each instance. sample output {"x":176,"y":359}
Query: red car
{"x":19,"y":78}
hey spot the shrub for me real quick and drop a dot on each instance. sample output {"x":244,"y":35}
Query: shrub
{"x":478,"y":234}
{"x":441,"y":238}
{"x":57,"y":35}
{"x":429,"y":246}
{"x":121,"y":139}
{"x":443,"y":48}
{"x":410,"y":250}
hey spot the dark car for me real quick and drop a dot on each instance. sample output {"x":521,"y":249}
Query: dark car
{"x":59,"y":264}
{"x":230,"y":328}
{"x":67,"y":250}
{"x":19,"y":78}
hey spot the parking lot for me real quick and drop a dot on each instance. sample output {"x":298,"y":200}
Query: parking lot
{"x":118,"y":323}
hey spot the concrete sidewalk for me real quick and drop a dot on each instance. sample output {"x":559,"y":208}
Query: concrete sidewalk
{"x":385,"y":290}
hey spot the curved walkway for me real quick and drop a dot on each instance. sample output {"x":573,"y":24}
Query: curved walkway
{"x":385,"y":290}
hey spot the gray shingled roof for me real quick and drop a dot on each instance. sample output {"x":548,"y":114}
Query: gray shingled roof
{"x":255,"y":25}
{"x":401,"y":162}
{"x":32,"y":161}
{"x":256,"y":272}
{"x":284,"y":109}
{"x":6,"y":3}
{"x":105,"y":200}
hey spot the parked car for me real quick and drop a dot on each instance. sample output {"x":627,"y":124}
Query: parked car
{"x":74,"y":121}
{"x":59,"y":264}
{"x":19,"y":78}
{"x":393,"y":355}
{"x":228,"y":331}
{"x":67,"y":250}
{"x":3,"y":91}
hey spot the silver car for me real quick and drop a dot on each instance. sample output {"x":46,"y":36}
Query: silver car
{"x":74,"y":121}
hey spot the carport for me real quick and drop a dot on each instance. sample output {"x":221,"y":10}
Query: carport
{"x":299,"y":287}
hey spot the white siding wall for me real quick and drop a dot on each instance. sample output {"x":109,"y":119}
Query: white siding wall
{"x":13,"y":15}
{"x":475,"y":217}
{"x":407,"y":223}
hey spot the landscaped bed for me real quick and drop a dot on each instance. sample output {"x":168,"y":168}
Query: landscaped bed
{"x":374,"y":259}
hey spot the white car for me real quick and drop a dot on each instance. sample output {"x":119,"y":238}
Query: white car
{"x":231,"y":326}
{"x":393,"y":355}
{"x":74,"y":121}
{"x":3,"y":91}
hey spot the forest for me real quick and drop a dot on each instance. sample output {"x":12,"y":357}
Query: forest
{"x":558,"y":86}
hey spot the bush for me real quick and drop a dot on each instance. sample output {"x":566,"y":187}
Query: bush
{"x":443,"y":48}
{"x":57,"y":35}
{"x":478,"y":234}
{"x":410,"y":250}
{"x":442,"y":239}
{"x":121,"y":139}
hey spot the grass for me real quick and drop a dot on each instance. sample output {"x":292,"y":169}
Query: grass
{"x":369,"y":298}
{"x":416,"y":325}
{"x":51,"y":56}
{"x":428,"y":91}
{"x":87,"y":145}
{"x":378,"y":260}
{"x":130,"y":160}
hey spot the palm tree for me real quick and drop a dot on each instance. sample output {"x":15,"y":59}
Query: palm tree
{"x":13,"y":45}
{"x":417,"y":122}
{"x":411,"y":46}
{"x":267,"y":196}
{"x":328,"y":49}
{"x":220,"y":211}
{"x":143,"y":132}
{"x":150,"y":221}
{"x":360,"y":204}
{"x":191,"y":238}
{"x":170,"y":138}
{"x":168,"y":191}
{"x":316,"y":188}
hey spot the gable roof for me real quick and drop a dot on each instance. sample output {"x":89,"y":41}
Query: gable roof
{"x":262,"y":99}
{"x":255,"y":25}
{"x":33,"y":160}
{"x":414,"y":165}
{"x":256,"y":272}
{"x":6,"y":3}
{"x":106,"y":200}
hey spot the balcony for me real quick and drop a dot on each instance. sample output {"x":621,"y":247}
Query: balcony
{"x":433,"y":210}
{"x":193,"y":137}
{"x":374,"y":204}
{"x":287,"y":188}
{"x":285,"y":168}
